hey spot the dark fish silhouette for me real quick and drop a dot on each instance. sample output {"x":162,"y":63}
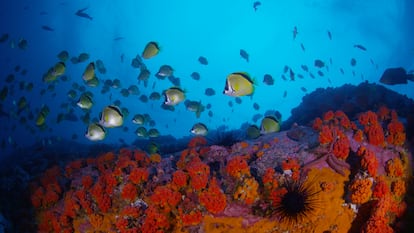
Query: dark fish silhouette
{"x":119,"y":38}
{"x":329,"y":35}
{"x":203,"y":60}
{"x":393,"y":76}
{"x":358,"y":46}
{"x":318,"y":63}
{"x":244,"y":54}
{"x":82,"y":14}
{"x":256,"y":4}
{"x":295,"y":32}
{"x":47,"y":28}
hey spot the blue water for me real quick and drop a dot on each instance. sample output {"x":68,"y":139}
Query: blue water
{"x":185,"y":30}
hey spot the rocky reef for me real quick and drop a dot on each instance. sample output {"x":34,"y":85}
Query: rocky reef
{"x":337,"y":176}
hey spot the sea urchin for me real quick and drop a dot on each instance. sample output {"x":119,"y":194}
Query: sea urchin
{"x":296,"y":202}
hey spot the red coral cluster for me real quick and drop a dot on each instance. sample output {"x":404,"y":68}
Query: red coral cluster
{"x":213,"y":199}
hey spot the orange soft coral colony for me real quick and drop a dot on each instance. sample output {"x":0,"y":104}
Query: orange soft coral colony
{"x":396,"y":134}
{"x":213,"y":199}
{"x":361,"y":190}
{"x":237,"y":167}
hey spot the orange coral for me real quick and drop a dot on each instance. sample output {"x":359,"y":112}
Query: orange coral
{"x":192,"y":218}
{"x":359,"y":136}
{"x":396,"y":135}
{"x":197,"y":141}
{"x":317,"y":124}
{"x":394,"y":167}
{"x":292,"y":164}
{"x":383,"y":113}
{"x":361,"y":191}
{"x":138,"y":175}
{"x":368,"y":118}
{"x":199,"y":173}
{"x":237,"y":167}
{"x":398,"y":188}
{"x":381,"y":188}
{"x":375,"y":134}
{"x":341,"y":146}
{"x":129,"y":192}
{"x":165,"y":198}
{"x":179,"y":179}
{"x":269,"y":180}
{"x":247,"y":191}
{"x":370,"y":162}
{"x":87,"y":181}
{"x":213,"y":199}
{"x":326,"y":136}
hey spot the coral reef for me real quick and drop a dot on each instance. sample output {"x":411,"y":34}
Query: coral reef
{"x":338,"y":176}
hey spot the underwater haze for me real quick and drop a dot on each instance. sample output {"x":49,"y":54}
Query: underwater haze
{"x":286,"y":48}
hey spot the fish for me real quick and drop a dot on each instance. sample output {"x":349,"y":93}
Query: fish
{"x":291,"y":75}
{"x":209,"y":91}
{"x":303,"y":89}
{"x":269,"y":124}
{"x":47,"y":28}
{"x":244,"y":55}
{"x":358,"y":46}
{"x":329,"y":35}
{"x":143,"y":98}
{"x":173,"y":96}
{"x":302,"y":47}
{"x":144,"y":76}
{"x":139,"y":119}
{"x":59,"y":69}
{"x":256,"y":4}
{"x":268,"y":79}
{"x":85,"y":101}
{"x":89,"y":72}
{"x":319,"y":63}
{"x":394,"y":76}
{"x":119,"y":38}
{"x":41,"y":118}
{"x":22,"y":44}
{"x":256,"y":106}
{"x":153,"y":133}
{"x":203,"y":60}
{"x":155,"y":96}
{"x":83,"y":57}
{"x":63,"y":55}
{"x":95,"y":132}
{"x":165,"y":71}
{"x":252,"y":132}
{"x":304,"y":68}
{"x":199,"y":129}
{"x":82,"y":14}
{"x":295,"y":32}
{"x":195,"y":76}
{"x":353,"y":62}
{"x":101,"y":67}
{"x":195,"y":107}
{"x":238,"y":84}
{"x":141,"y":132}
{"x":111,"y":116}
{"x":151,"y":50}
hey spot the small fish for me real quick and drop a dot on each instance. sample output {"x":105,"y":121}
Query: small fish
{"x":119,"y":38}
{"x":95,"y":132}
{"x":302,"y":47}
{"x":111,"y":116}
{"x":244,"y":55}
{"x":256,"y":4}
{"x":318,"y":63}
{"x":165,"y":71}
{"x":194,"y":106}
{"x":203,"y":60}
{"x":141,"y":132}
{"x":173,"y":96}
{"x":291,"y":75}
{"x":47,"y":28}
{"x":63,"y":55}
{"x":353,"y":62}
{"x":304,"y":68}
{"x":295,"y":32}
{"x":199,"y":129}
{"x":153,"y":133}
{"x":269,"y":124}
{"x":253,"y":132}
{"x":195,"y":76}
{"x":89,"y":72}
{"x":329,"y":35}
{"x":394,"y":76}
{"x":209,"y":91}
{"x":268,"y":79}
{"x":82,"y":14}
{"x":358,"y":46}
{"x":150,"y":50}
{"x":238,"y":84}
{"x":303,"y":89}
{"x":284,"y":94}
{"x":85,"y":101}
